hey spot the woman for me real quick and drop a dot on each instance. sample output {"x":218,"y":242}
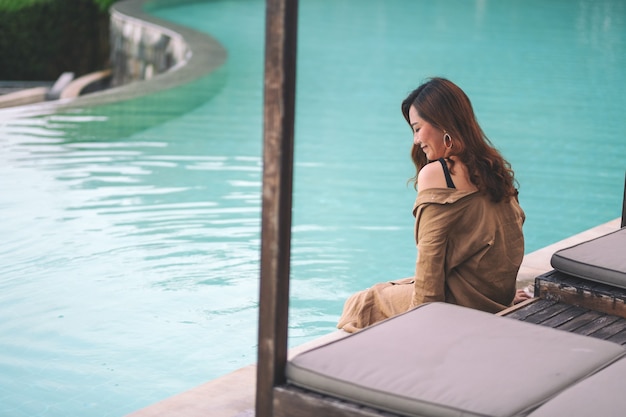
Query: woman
{"x":468,"y":222}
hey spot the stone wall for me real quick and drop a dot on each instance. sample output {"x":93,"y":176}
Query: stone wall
{"x":141,"y":50}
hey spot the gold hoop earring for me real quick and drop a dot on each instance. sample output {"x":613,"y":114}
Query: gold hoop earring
{"x":447,"y":140}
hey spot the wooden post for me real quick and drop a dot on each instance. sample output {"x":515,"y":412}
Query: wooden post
{"x":278,"y":129}
{"x":624,"y":205}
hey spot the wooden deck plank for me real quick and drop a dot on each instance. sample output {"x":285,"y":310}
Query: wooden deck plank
{"x":619,"y":338}
{"x":595,"y":325}
{"x":509,"y":310}
{"x":571,"y":318}
{"x":546,"y":313}
{"x":609,"y":330}
{"x":565,"y":316}
{"x":530,"y":309}
{"x":580,"y":321}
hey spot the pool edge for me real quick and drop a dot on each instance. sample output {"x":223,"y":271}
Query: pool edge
{"x":207,"y":55}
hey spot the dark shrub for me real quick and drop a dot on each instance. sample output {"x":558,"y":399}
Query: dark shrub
{"x":42,"y":38}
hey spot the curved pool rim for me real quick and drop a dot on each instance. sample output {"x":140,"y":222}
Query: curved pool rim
{"x":207,"y":56}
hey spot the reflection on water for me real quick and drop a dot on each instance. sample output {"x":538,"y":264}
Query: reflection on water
{"x":120,"y":256}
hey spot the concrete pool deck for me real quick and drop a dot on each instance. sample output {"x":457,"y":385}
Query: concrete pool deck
{"x":233,"y":395}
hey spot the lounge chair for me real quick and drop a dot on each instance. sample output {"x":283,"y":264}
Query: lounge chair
{"x":602,"y":259}
{"x":591,"y":274}
{"x":442,"y":360}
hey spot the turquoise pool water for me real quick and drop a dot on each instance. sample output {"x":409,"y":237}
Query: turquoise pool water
{"x":129,"y":267}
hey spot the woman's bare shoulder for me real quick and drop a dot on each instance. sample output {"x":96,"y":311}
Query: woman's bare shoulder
{"x":431,"y":176}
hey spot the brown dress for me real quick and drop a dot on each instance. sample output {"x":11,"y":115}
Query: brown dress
{"x":469,"y":252}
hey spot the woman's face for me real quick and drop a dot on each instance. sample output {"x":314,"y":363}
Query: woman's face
{"x":426,"y":136}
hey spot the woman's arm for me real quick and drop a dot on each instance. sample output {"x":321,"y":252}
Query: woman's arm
{"x":432,"y":227}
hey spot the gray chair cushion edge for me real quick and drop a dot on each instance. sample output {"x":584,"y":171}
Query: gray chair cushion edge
{"x":375,"y":399}
{"x":574,"y":261}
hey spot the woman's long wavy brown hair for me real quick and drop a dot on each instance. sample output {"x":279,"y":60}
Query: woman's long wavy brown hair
{"x":445,"y":106}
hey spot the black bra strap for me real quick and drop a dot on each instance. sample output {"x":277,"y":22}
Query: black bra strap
{"x":446,"y":173}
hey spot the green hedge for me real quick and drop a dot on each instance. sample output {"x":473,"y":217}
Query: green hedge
{"x":12,"y":5}
{"x":43,"y":38}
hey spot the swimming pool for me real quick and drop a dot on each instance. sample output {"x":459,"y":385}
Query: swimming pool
{"x":130,"y":263}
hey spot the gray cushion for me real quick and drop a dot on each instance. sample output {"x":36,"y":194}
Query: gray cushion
{"x":444,"y":360}
{"x":601,"y":260}
{"x":601,"y":394}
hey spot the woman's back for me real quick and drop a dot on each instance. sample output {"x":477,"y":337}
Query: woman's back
{"x":469,"y":249}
